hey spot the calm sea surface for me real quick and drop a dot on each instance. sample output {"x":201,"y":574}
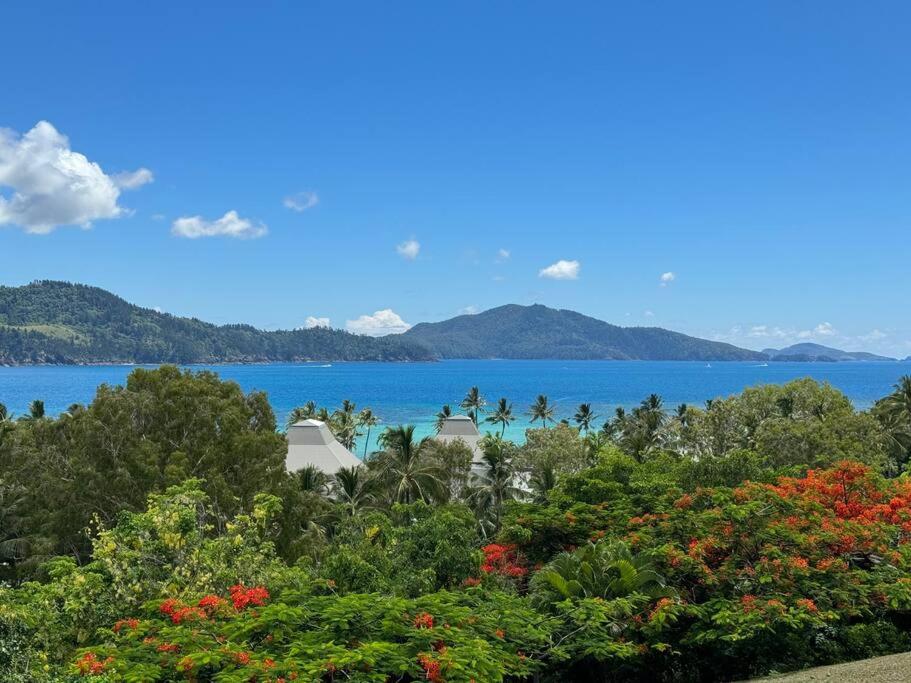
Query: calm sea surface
{"x":413,"y":392}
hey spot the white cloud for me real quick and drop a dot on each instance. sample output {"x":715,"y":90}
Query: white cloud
{"x":229,"y":225}
{"x":561,"y":270}
{"x":502,"y":255}
{"x":409,"y":249}
{"x":824,"y":330}
{"x":874,"y":335}
{"x":313,"y":321}
{"x":301,"y":201}
{"x":158,"y":216}
{"x":158,"y":309}
{"x":667,"y":278}
{"x":648,"y":314}
{"x":469,"y":310}
{"x":53,"y":186}
{"x":130,"y":180}
{"x":380,"y":323}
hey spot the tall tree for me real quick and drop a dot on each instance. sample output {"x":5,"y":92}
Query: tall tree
{"x":501,"y":415}
{"x":584,"y":417}
{"x":352,"y":487}
{"x":474,"y":403}
{"x":408,"y":473}
{"x":541,"y":410}
{"x":494,"y":484}
{"x":444,"y":414}
{"x":367,"y":419}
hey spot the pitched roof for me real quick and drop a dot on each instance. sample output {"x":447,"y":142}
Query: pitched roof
{"x":311,"y":443}
{"x":461,"y":428}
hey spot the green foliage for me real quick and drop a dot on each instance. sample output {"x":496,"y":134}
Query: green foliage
{"x":666,"y":547}
{"x":59,"y":322}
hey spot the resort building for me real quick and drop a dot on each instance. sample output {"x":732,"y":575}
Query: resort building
{"x":311,"y":443}
{"x":461,"y":427}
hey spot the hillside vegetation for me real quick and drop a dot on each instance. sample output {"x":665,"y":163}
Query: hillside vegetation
{"x":537,"y":331}
{"x":59,"y":322}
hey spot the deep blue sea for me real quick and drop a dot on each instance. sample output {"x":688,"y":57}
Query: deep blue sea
{"x":413,"y":392}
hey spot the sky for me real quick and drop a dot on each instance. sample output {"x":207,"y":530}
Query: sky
{"x":736,"y":171}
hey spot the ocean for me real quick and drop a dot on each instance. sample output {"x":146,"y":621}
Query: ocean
{"x":412,"y":393}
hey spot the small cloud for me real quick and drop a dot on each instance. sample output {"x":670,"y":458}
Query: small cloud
{"x":301,"y":201}
{"x":648,"y":314}
{"x":502,"y":256}
{"x":51,"y":185}
{"x":667,"y":278}
{"x":158,"y":216}
{"x":157,"y":309}
{"x":824,"y":330}
{"x":874,"y":335}
{"x":499,"y":278}
{"x":409,"y":249}
{"x":313,"y":321}
{"x":469,"y":310}
{"x":561,"y":270}
{"x":380,"y":323}
{"x":130,"y":180}
{"x":229,"y":225}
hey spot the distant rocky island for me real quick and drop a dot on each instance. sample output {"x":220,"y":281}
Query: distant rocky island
{"x":50,"y":322}
{"x":809,"y":352}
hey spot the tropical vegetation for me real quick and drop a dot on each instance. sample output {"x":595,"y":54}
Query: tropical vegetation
{"x":154,"y":535}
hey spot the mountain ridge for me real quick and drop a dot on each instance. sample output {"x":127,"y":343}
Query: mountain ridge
{"x":539,"y":332}
{"x":52,"y":322}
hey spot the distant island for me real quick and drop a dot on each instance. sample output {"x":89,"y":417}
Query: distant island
{"x":50,"y":322}
{"x":809,"y":352}
{"x":539,"y":332}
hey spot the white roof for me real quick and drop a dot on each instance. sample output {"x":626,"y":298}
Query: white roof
{"x":461,"y":428}
{"x":311,"y":443}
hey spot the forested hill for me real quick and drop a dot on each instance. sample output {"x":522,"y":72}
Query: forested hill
{"x":537,"y":331}
{"x":59,"y":322}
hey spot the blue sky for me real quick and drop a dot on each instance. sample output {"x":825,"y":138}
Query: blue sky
{"x":440,"y":159}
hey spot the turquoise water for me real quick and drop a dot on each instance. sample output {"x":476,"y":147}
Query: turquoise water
{"x":413,"y":392}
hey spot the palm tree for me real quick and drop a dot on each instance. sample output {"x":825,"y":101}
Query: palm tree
{"x":323,"y":415}
{"x":4,"y":414}
{"x":542,"y":482}
{"x":344,"y":426}
{"x":369,"y":420}
{"x":409,"y":475}
{"x":312,"y":479}
{"x":682,"y":413}
{"x":494,"y":485}
{"x":351,"y":486}
{"x":474,"y":403}
{"x":501,"y":415}
{"x":584,"y":417}
{"x":304,"y":412}
{"x":541,"y":410}
{"x":606,"y":570}
{"x":36,"y":410}
{"x":898,"y":403}
{"x":444,"y":414}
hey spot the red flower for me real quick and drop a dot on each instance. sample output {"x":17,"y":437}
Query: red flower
{"x":210,"y":603}
{"x":90,"y":665}
{"x":808,"y":605}
{"x":129,"y":623}
{"x":242,"y":658}
{"x":168,"y":647}
{"x":242,"y":597}
{"x":432,"y":670}
{"x":423,"y":620}
{"x":169,"y":605}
